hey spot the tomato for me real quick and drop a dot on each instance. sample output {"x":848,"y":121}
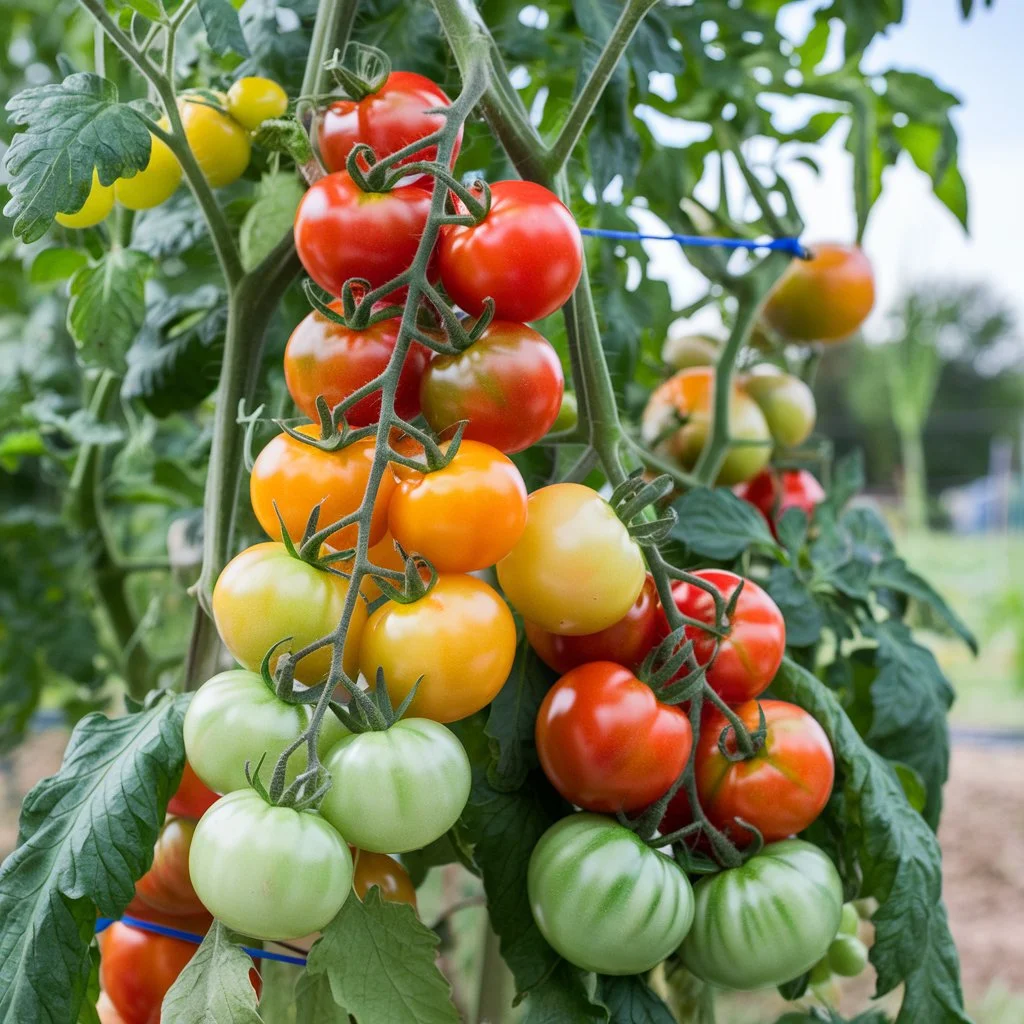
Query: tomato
{"x":398,"y":789}
{"x":850,"y":923}
{"x":575,"y":570}
{"x":681,"y":351}
{"x":252,"y":100}
{"x":296,"y":477}
{"x":218,"y":142}
{"x":106,"y":1011}
{"x":324,"y":358}
{"x":98,"y":203}
{"x":677,"y":421}
{"x":780,"y":790}
{"x":605,"y":741}
{"x":387,"y":120}
{"x":156,"y":182}
{"x":568,"y":413}
{"x":271,"y":872}
{"x":786,"y":401}
{"x":604,"y":899}
{"x":825,"y":298}
{"x":166,"y":885}
{"x":465,"y":516}
{"x":508,"y":385}
{"x":626,"y":642}
{"x":460,"y":638}
{"x":751,"y":652}
{"x":766,"y":921}
{"x":526,"y":254}
{"x":193,"y":798}
{"x":265,"y":595}
{"x":772,"y":491}
{"x":847,"y":956}
{"x":378,"y":869}
{"x":342,"y":232}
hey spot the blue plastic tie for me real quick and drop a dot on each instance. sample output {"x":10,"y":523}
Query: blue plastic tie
{"x":790,"y":245}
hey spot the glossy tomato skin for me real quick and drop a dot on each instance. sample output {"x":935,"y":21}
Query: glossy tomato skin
{"x":772,"y":491}
{"x":218,"y":142}
{"x":605,"y":741}
{"x":767,"y":921}
{"x":786,"y":401}
{"x":324,"y":358}
{"x":156,"y":182}
{"x":378,"y":869}
{"x":463,"y":517}
{"x":751,"y":653}
{"x":508,"y":385}
{"x":166,"y":886}
{"x":526,"y":254}
{"x":296,"y":477}
{"x":398,"y":789}
{"x":460,"y":638}
{"x":251,"y":865}
{"x":626,"y":642}
{"x":342,"y":232}
{"x":98,"y":203}
{"x":386,"y":120}
{"x":264,"y":595}
{"x":605,"y":900}
{"x":253,"y":100}
{"x":575,"y":570}
{"x":193,"y":797}
{"x":106,"y":1011}
{"x":780,"y":790}
{"x":825,"y":298}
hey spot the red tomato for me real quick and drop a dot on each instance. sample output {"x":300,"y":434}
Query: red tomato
{"x":772,"y":491}
{"x":342,"y":232}
{"x":780,"y":790}
{"x":386,"y":120}
{"x":605,"y":741}
{"x":166,"y":885}
{"x":750,"y":655}
{"x":325,"y":358}
{"x":508,"y":385}
{"x":526,"y":254}
{"x":626,"y":642}
{"x":193,"y":797}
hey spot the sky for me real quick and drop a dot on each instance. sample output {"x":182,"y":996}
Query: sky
{"x":911,"y":236}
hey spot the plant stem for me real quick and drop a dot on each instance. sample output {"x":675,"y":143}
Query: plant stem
{"x":493,"y":995}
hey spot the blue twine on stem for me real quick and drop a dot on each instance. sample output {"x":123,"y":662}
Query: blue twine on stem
{"x":791,"y":245}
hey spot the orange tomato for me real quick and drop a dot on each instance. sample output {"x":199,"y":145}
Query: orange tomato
{"x":378,"y":869}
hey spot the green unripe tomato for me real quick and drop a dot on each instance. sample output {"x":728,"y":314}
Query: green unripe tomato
{"x":681,"y":351}
{"x":847,"y":956}
{"x":568,"y":413}
{"x":821,"y":973}
{"x":849,"y":924}
{"x":786,"y":401}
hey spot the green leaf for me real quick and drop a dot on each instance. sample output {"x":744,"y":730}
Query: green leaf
{"x":284,"y":135}
{"x":630,"y":1000}
{"x":901,"y":863}
{"x":223,"y":28}
{"x":85,"y":836}
{"x":270,"y":218}
{"x":147,"y":8}
{"x":108,"y":306}
{"x":87,"y":1013}
{"x":214,"y":987}
{"x":74,"y":126}
{"x":419,"y":862}
{"x":563,"y":997}
{"x":172,"y":229}
{"x":279,"y":995}
{"x":314,"y":1003}
{"x":53,"y":265}
{"x":720,"y":525}
{"x":801,"y":610}
{"x":847,"y":479}
{"x":394,"y":977}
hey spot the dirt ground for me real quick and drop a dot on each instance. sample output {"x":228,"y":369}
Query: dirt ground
{"x":982,"y":836}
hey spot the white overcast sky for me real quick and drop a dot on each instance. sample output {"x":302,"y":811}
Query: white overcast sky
{"x":911,"y":236}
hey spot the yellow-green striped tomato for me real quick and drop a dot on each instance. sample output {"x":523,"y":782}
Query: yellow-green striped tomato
{"x":604,"y":899}
{"x":767,"y":921}
{"x":398,"y":789}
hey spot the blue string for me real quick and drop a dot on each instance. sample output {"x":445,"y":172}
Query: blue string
{"x":790,"y":245}
{"x":175,"y":933}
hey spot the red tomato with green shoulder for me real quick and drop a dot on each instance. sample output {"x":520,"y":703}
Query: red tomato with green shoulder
{"x":526,"y":254}
{"x":751,"y":652}
{"x":193,"y":797}
{"x":606,"y":742}
{"x":166,"y":886}
{"x":507,"y":385}
{"x":772,"y":491}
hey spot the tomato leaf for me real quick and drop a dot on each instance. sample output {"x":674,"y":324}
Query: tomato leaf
{"x":394,"y":976}
{"x":223,"y":28}
{"x":900,"y":860}
{"x":278,"y":998}
{"x":214,"y":987}
{"x":87,"y":1013}
{"x":630,"y":1000}
{"x":53,"y":265}
{"x":270,"y":218}
{"x":717,"y":524}
{"x":801,"y":610}
{"x":314,"y":1003}
{"x":563,"y":997}
{"x":73,"y":127}
{"x":85,"y":836}
{"x":172,"y":229}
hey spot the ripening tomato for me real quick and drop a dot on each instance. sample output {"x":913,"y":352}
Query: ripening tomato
{"x":825,"y":298}
{"x":780,"y":790}
{"x":465,"y":516}
{"x":625,"y":642}
{"x":265,"y":595}
{"x":253,"y":100}
{"x":786,"y":401}
{"x":677,"y":421}
{"x":526,"y":254}
{"x":378,"y":869}
{"x":106,"y":1011}
{"x":342,"y":232}
{"x":156,"y":182}
{"x":193,"y":797}
{"x":681,"y":351}
{"x":772,"y":491}
{"x":324,"y":358}
{"x":166,"y":885}
{"x":575,"y":570}
{"x":98,"y":203}
{"x":508,"y":385}
{"x":387,"y":120}
{"x":605,"y":741}
{"x":751,"y":652}
{"x":296,"y":476}
{"x":218,"y":142}
{"x":459,"y":640}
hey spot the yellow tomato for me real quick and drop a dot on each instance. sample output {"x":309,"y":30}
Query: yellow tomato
{"x":155,"y":183}
{"x":251,"y":101}
{"x":220,"y":144}
{"x":98,"y":203}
